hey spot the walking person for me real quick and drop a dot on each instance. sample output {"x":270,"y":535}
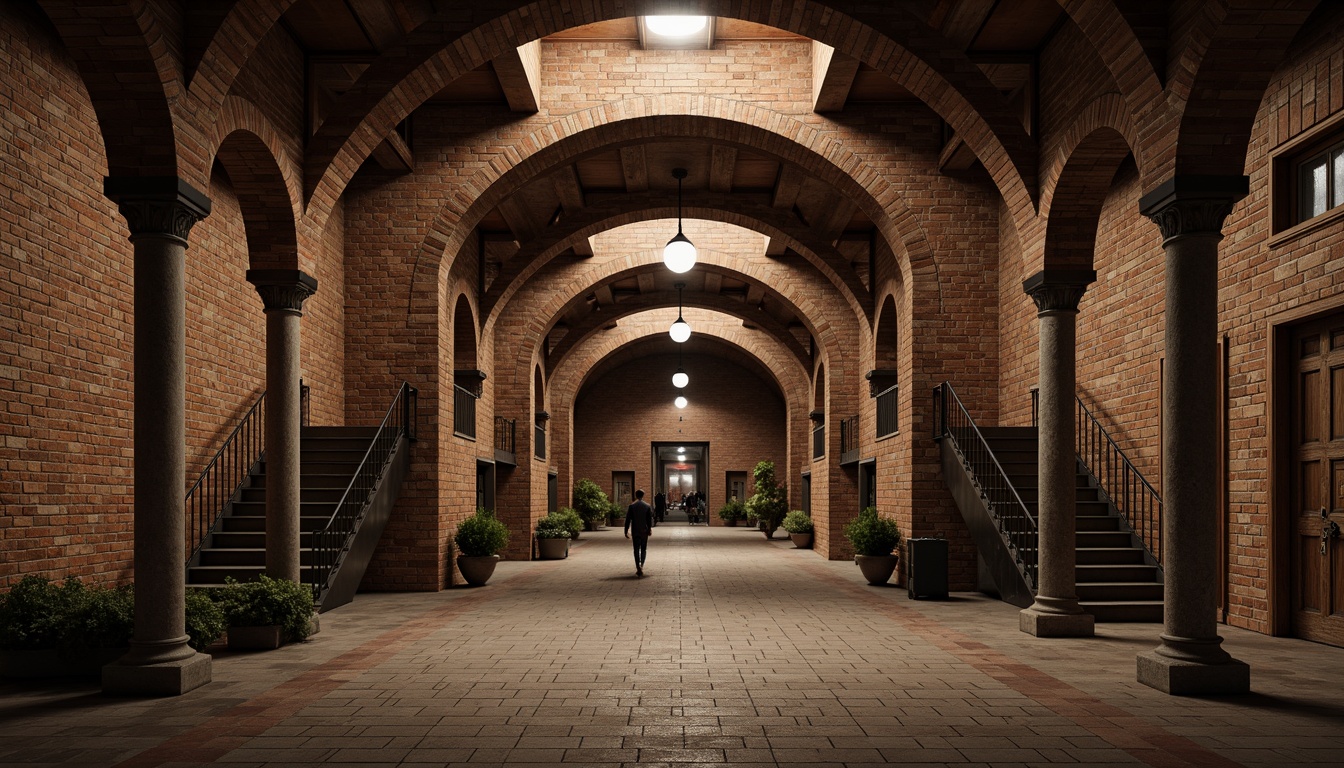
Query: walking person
{"x":659,"y":507}
{"x":639,"y":518}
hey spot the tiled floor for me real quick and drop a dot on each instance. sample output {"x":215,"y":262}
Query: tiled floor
{"x":731,"y":650}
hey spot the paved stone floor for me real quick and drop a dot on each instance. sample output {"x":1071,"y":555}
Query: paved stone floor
{"x":731,"y":650}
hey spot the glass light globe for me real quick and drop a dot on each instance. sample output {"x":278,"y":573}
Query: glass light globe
{"x":680,"y":331}
{"x":679,"y":254}
{"x":680,"y":401}
{"x":675,"y":26}
{"x":680,"y":379}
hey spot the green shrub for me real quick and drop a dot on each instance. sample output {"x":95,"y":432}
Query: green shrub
{"x":591,"y":502}
{"x":870,"y":534}
{"x":552,"y":527}
{"x":570,"y":518}
{"x":206,"y":621}
{"x":733,"y":511}
{"x":770,"y":501}
{"x":268,"y":602}
{"x":38,"y":614}
{"x":616,"y":513}
{"x":481,"y":535}
{"x":797,"y":521}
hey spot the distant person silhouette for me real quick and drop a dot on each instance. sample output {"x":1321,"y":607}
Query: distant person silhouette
{"x":639,"y":519}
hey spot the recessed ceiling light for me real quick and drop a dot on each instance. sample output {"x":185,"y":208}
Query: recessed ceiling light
{"x":676,"y":26}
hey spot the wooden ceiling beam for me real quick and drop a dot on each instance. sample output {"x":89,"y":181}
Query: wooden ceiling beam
{"x":832,"y":76}
{"x":838,"y":214}
{"x":635,"y":167}
{"x":519,"y":73}
{"x":964,"y":19}
{"x":713,"y":282}
{"x":379,"y":22}
{"x":722,"y":167}
{"x":520,"y":221}
{"x":568,"y":188}
{"x":788,"y":186}
{"x":645,"y":280}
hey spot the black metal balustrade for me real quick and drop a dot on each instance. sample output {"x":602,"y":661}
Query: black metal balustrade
{"x":506,"y":434}
{"x":224,"y":475}
{"x":539,"y":440}
{"x":818,"y":441}
{"x":849,"y":440}
{"x":464,"y":412}
{"x":1015,"y":522}
{"x":888,"y":415}
{"x":1138,"y":502}
{"x":330,"y":541}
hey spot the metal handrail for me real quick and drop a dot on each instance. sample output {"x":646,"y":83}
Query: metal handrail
{"x":464,"y":411}
{"x":1016,"y":524}
{"x":539,"y":441}
{"x":332,"y":539}
{"x":1139,"y":504}
{"x":219,"y":482}
{"x":888,"y":414}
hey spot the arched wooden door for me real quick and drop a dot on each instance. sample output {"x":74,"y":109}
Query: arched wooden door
{"x":1316,"y":549}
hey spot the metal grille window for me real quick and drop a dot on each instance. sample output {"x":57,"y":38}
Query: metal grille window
{"x":464,"y":412}
{"x":888,"y":411}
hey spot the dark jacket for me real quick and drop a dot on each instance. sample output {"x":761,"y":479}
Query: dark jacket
{"x":639,"y":519}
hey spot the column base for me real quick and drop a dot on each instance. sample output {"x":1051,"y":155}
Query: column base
{"x":167,"y":678}
{"x":1193,"y":678}
{"x":1041,"y":624}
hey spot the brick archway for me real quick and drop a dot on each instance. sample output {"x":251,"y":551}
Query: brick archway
{"x":264,"y":199}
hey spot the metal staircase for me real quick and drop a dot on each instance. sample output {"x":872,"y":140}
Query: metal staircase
{"x":349,"y":481}
{"x":992,"y":473}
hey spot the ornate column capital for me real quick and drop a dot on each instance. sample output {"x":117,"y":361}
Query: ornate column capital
{"x":283,"y":290}
{"x":160,"y":206}
{"x":1058,"y":290}
{"x":1185,"y":206}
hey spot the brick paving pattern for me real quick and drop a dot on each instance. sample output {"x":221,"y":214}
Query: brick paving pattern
{"x":733,"y":650}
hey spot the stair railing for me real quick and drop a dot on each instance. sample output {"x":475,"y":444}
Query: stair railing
{"x":1016,"y":524}
{"x":224,"y":475}
{"x":1139,"y":504}
{"x":331,"y":540}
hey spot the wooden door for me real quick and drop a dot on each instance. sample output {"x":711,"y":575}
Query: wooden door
{"x":1316,"y":550}
{"x":623,"y":488}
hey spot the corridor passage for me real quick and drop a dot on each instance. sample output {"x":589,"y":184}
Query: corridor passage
{"x":731,"y":650}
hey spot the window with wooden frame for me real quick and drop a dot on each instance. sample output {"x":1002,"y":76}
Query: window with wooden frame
{"x":1308,"y":188}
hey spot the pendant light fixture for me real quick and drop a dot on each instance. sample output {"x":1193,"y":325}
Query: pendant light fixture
{"x":680,"y":379}
{"x":680,"y":402}
{"x":679,"y":253}
{"x":680,"y":330}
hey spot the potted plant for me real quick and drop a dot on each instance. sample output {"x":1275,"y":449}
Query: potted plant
{"x":66,"y":629}
{"x":552,"y":538}
{"x":590,"y":501}
{"x":266,"y":613}
{"x":799,"y":526}
{"x":479,"y":540}
{"x":873,"y":538}
{"x":206,"y":621}
{"x":731,"y":512}
{"x":571,"y":519}
{"x":770,"y":502}
{"x":615,"y":515}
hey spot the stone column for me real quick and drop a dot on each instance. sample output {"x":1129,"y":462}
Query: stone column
{"x":283,"y":292}
{"x":1190,"y":212}
{"x":1056,"y":612}
{"x":161,"y":212}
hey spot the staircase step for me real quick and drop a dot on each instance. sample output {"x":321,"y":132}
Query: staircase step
{"x":325,"y":467}
{"x":206,"y":575}
{"x":1125,"y":572}
{"x":1105,"y":539}
{"x":313,"y":480}
{"x":1097,"y":523}
{"x":257,"y":523}
{"x":332,"y":455}
{"x":307,"y":494}
{"x":363,"y":432}
{"x":1128,"y":610}
{"x":1110,"y":556}
{"x":335,"y":444}
{"x":245,"y":556}
{"x":1119,"y":591}
{"x":1030,"y":492}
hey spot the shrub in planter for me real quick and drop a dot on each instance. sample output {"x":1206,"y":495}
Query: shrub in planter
{"x":798,"y":524}
{"x":770,"y":501}
{"x":552,"y":537}
{"x":479,"y":539}
{"x":615,"y":514}
{"x":268,"y":602}
{"x":571,"y":519}
{"x":591,"y":502}
{"x":731,"y":512}
{"x":206,"y":621}
{"x":873,"y":538}
{"x":51,"y":630}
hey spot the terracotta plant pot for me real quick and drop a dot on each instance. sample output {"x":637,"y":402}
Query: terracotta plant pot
{"x":266,"y":638}
{"x":551,"y":549}
{"x":477,"y":570}
{"x":877,"y":569}
{"x":801,"y":540}
{"x":769,"y":532}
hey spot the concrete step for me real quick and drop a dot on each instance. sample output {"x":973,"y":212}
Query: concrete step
{"x":313,"y":480}
{"x":245,"y":556}
{"x":1119,"y":572}
{"x":256,"y":523}
{"x":216,"y":574}
{"x":1119,"y":591}
{"x":365,"y":433}
{"x":307,"y":494}
{"x":1102,"y":539}
{"x":1110,"y":556}
{"x":1126,"y":611}
{"x":1097,"y":523}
